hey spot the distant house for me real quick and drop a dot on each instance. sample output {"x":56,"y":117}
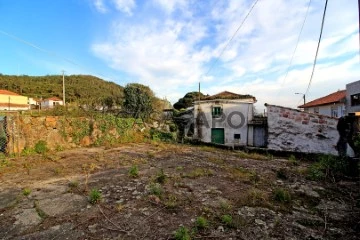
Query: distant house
{"x":223,"y":118}
{"x":34,"y":103}
{"x":11,"y":101}
{"x":332,"y":105}
{"x":353,"y":98}
{"x":50,"y":102}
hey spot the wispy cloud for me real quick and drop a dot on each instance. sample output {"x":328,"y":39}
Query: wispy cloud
{"x":100,"y":6}
{"x":172,"y":50}
{"x":125,"y":6}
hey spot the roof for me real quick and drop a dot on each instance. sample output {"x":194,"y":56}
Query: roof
{"x":52,"y":99}
{"x":228,"y":95}
{"x":7,"y":92}
{"x":336,"y":97}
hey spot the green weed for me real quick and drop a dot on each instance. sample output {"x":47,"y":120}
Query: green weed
{"x":201,"y":223}
{"x":134,"y":171}
{"x":182,"y":234}
{"x":94,"y":196}
{"x":41,"y":147}
{"x":26,"y":191}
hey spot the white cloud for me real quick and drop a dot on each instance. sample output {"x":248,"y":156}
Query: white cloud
{"x":171,"y":52}
{"x":125,"y":6}
{"x":100,"y":6}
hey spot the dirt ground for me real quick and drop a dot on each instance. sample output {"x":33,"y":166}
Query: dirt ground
{"x":179,"y":192}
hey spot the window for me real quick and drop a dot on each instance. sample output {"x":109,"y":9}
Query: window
{"x":355,"y":99}
{"x":316,"y":110}
{"x":237,"y":136}
{"x":216,"y":112}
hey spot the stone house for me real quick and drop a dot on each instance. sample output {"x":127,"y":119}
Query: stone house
{"x":223,"y":118}
{"x":11,"y":101}
{"x":353,"y":98}
{"x":332,"y":105}
{"x":50,"y":102}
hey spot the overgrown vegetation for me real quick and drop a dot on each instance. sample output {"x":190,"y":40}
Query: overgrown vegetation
{"x":134,"y":171}
{"x":282,"y":195}
{"x":328,"y":167}
{"x":94,"y":196}
{"x":41,"y":147}
{"x":182,"y":234}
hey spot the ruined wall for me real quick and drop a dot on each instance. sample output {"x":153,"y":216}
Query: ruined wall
{"x":64,"y":132}
{"x":293,"y":130}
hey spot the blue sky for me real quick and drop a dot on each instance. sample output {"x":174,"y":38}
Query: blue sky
{"x":170,"y":45}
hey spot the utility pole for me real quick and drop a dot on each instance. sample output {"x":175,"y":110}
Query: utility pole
{"x":63,"y":72}
{"x":303,"y":96}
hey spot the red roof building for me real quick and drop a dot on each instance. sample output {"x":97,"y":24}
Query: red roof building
{"x":332,"y":105}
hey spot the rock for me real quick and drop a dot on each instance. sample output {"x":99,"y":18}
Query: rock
{"x":260,"y":222}
{"x":308,"y":191}
{"x":92,"y":228}
{"x":221,"y":229}
{"x":28,"y":217}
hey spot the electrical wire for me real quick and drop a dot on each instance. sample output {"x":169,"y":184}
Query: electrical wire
{"x":49,"y":52}
{"x":317,"y":49}
{"x":232,"y":37}
{"x":297,"y":43}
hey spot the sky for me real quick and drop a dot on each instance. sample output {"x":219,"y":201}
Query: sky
{"x":172,"y":45}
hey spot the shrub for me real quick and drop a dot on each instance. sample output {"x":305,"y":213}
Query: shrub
{"x":41,"y":147}
{"x":227,"y":219}
{"x":155,"y":189}
{"x":94,"y":196}
{"x":161,"y":135}
{"x":201,"y":223}
{"x":134,"y":171}
{"x":160,"y":177}
{"x":26,"y":191}
{"x":182,"y":234}
{"x":328,"y":167}
{"x":282,"y":195}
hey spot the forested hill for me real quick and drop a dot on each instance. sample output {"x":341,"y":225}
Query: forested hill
{"x":78,"y":88}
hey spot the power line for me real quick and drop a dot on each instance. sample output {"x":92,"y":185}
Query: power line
{"x":50,"y":53}
{"x":297,"y":43}
{"x":227,"y":44}
{"x":317,"y":49}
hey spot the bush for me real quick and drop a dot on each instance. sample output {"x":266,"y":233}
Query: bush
{"x":282,"y":195}
{"x":201,"y":223}
{"x":227,"y":219}
{"x":182,"y":234}
{"x":158,"y":135}
{"x":41,"y":147}
{"x":94,"y":196}
{"x":329,"y":167}
{"x":160,"y":177}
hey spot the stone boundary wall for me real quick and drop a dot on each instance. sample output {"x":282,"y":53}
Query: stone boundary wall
{"x":64,"y":132}
{"x":293,"y":130}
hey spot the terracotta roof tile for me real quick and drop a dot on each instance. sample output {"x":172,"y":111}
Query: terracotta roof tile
{"x":53,"y":99}
{"x":335,"y":97}
{"x":7,"y":92}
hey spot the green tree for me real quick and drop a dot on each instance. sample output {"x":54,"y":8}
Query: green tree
{"x":139,"y":100}
{"x":187,"y":100}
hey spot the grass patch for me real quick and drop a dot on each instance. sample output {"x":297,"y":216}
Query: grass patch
{"x":182,"y":233}
{"x":26,"y":191}
{"x":199,"y":172}
{"x":94,"y":196}
{"x":255,"y":156}
{"x":282,"y":195}
{"x":254,"y":197}
{"x":201,"y":223}
{"x":160,"y":177}
{"x":227,"y":220}
{"x":282,"y":174}
{"x":41,"y":147}
{"x":134,"y":171}
{"x":156,"y":189}
{"x":39,"y":211}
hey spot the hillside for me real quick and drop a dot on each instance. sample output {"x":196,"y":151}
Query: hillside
{"x":79,"y":88}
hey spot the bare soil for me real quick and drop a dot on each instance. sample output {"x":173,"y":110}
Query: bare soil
{"x":47,"y":197}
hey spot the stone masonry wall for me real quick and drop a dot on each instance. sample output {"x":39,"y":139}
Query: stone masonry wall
{"x":293,"y":130}
{"x":64,"y":132}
